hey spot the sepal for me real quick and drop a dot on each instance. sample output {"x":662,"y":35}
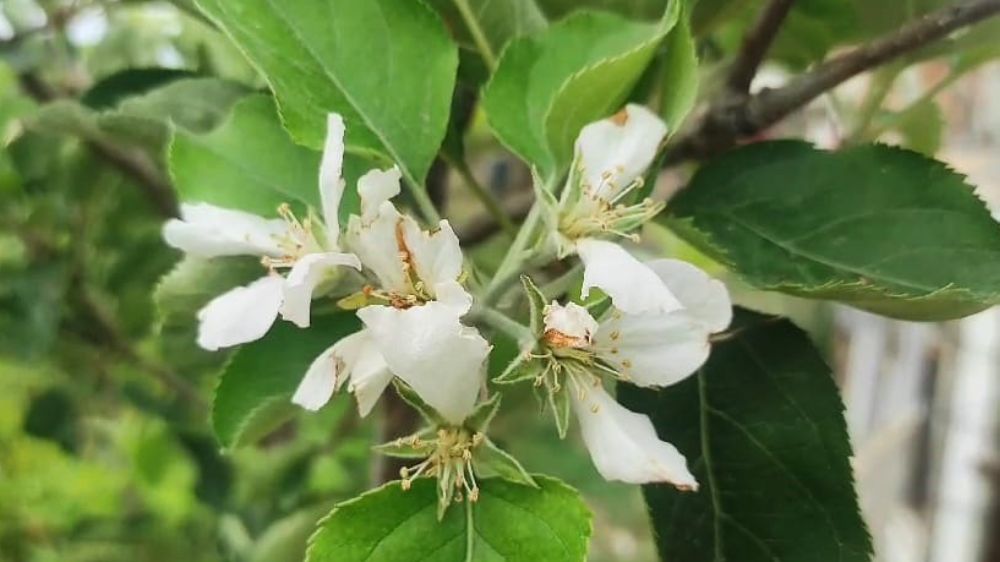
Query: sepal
{"x":490,"y":459}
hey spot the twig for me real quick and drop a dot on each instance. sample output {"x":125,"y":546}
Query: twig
{"x":756,"y":44}
{"x":740,"y":117}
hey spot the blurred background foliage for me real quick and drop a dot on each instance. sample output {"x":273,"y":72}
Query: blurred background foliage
{"x":106,"y":454}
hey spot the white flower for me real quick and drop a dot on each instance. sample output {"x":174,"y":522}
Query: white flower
{"x":414,"y":311}
{"x":624,"y":445}
{"x":411,"y":310}
{"x":611,"y":157}
{"x":651,"y":349}
{"x":246,"y":313}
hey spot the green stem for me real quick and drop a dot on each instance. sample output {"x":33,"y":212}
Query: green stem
{"x":894,"y":119}
{"x":560,"y":285}
{"x":502,"y":323}
{"x":484,"y":196}
{"x":510,"y":268}
{"x":478,"y":37}
{"x":881,"y":85}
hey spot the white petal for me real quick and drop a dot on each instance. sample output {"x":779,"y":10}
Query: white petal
{"x":433,"y":352}
{"x":633,"y":287}
{"x":705,"y":300}
{"x":377,"y":187}
{"x":240,"y":315}
{"x":331,"y":181}
{"x":369,"y":375}
{"x":208,"y":231}
{"x":624,"y":445}
{"x":453,"y":295}
{"x":308,"y":272}
{"x":653,"y":349}
{"x":437,"y":255}
{"x":572,"y":321}
{"x":376,"y":244}
{"x":615,"y":151}
{"x":320,"y":381}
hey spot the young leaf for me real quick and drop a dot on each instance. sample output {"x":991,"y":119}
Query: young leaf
{"x":255,"y":391}
{"x":763,"y":430}
{"x":388,"y":66}
{"x":548,"y":86}
{"x":510,"y":522}
{"x":503,"y":464}
{"x":879,"y":228}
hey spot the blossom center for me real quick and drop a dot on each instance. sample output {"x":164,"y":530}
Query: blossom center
{"x":450,"y":460}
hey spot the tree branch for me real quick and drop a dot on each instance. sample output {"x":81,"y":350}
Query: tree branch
{"x":756,"y":44}
{"x":739,"y":117}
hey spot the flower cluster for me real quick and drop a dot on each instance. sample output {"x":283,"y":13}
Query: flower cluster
{"x":407,"y":286}
{"x":412,"y":296}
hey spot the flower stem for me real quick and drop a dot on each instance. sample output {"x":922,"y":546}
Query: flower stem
{"x":510,"y":268}
{"x":478,"y":37}
{"x":502,"y":323}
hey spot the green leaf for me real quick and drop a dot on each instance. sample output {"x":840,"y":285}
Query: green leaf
{"x":510,"y":522}
{"x":635,"y":9}
{"x":388,"y":66}
{"x":763,"y":431}
{"x":129,"y":82}
{"x":870,"y":226}
{"x":499,"y":21}
{"x":248,"y":163}
{"x":254,"y":393}
{"x":548,"y":86}
{"x":680,"y":79}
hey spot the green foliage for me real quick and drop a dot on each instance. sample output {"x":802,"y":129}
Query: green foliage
{"x":392,"y":83}
{"x":548,"y":86}
{"x":255,"y":389}
{"x":248,"y":163}
{"x":869,"y":226}
{"x":679,"y":78}
{"x":499,"y":22}
{"x":762,"y":428}
{"x":509,"y":522}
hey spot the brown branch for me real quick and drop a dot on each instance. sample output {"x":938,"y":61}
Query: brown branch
{"x":756,"y":44}
{"x":739,"y":117}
